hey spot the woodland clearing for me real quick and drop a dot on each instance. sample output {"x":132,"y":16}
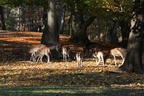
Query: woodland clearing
{"x":19,"y":77}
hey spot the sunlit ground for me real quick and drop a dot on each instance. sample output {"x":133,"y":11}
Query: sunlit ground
{"x":19,"y":77}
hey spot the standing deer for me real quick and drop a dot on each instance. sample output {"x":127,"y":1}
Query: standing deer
{"x":90,"y":46}
{"x":118,"y":52}
{"x":65,"y":53}
{"x":41,"y":52}
{"x":79,"y":58}
{"x":99,"y":56}
{"x":34,"y":49}
{"x":54,"y":46}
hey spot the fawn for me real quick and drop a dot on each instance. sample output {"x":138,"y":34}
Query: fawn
{"x":79,"y":58}
{"x":118,"y":52}
{"x":41,"y":52}
{"x":65,"y":53}
{"x":34,"y":49}
{"x":99,"y":55}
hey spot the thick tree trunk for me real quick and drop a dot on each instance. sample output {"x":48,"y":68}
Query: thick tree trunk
{"x":81,"y":35}
{"x":133,"y":60}
{"x":52,"y":28}
{"x":2,"y":18}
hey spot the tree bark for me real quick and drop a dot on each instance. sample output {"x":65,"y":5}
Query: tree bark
{"x":52,"y":28}
{"x":81,"y":36}
{"x":2,"y":18}
{"x":125,"y":29}
{"x":133,"y":60}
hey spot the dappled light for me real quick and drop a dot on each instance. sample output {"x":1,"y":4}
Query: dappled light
{"x":18,"y":74}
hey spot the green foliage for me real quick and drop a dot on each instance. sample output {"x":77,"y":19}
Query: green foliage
{"x":104,"y":9}
{"x":15,"y":3}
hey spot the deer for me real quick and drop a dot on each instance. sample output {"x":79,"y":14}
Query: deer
{"x":90,"y":46}
{"x":41,"y":52}
{"x":65,"y":53}
{"x":99,"y":55}
{"x":33,"y":49}
{"x":118,"y":52}
{"x":54,"y":46}
{"x":79,"y":59}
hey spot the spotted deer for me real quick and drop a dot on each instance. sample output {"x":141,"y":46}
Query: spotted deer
{"x":118,"y":52}
{"x":99,"y":55}
{"x":65,"y":53}
{"x":41,"y":52}
{"x":54,"y":46}
{"x":79,"y":59}
{"x":33,"y":49}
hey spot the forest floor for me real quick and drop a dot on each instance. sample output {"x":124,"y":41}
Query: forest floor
{"x":20,"y":77}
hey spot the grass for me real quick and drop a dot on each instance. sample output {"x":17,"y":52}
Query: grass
{"x":69,"y":91}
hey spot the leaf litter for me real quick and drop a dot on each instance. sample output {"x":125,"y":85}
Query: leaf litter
{"x":16,"y":70}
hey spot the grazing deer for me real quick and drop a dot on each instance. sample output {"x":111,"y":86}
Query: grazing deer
{"x":79,"y":58}
{"x":99,"y":55}
{"x":90,"y":46}
{"x":41,"y":52}
{"x":34,"y":49}
{"x":118,"y":52}
{"x":65,"y":53}
{"x":54,"y":46}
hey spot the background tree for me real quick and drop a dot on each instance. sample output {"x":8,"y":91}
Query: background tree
{"x":84,"y":12}
{"x":133,"y":60}
{"x":2,"y":18}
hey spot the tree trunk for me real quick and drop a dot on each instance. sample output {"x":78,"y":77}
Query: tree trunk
{"x":113,"y":33}
{"x":81,"y":35}
{"x":2,"y":18}
{"x":133,"y":60}
{"x":125,"y":29}
{"x":52,"y":28}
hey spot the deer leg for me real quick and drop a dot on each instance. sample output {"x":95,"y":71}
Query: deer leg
{"x":81,"y":64}
{"x":38,"y":58}
{"x":63,"y":57}
{"x":32,"y":57}
{"x":98,"y":61}
{"x":115,"y":60}
{"x":41,"y":58}
{"x":123,"y":60}
{"x":68,"y":56}
{"x":102,"y":59}
{"x":48,"y":58}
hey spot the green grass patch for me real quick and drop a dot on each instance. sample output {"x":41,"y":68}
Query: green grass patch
{"x":69,"y":91}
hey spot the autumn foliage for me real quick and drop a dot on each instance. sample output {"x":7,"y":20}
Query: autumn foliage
{"x":16,"y":70}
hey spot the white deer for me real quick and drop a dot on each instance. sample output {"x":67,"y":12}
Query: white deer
{"x":99,"y":56}
{"x":118,"y":52}
{"x":41,"y":52}
{"x":34,"y":49}
{"x":65,"y":53}
{"x":79,"y":59}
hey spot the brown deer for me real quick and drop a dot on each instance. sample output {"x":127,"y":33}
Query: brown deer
{"x":79,"y":59}
{"x":90,"y":46}
{"x":118,"y":52}
{"x":65,"y":53}
{"x":54,"y":46}
{"x":33,"y":49}
{"x":99,"y":55}
{"x":41,"y":52}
